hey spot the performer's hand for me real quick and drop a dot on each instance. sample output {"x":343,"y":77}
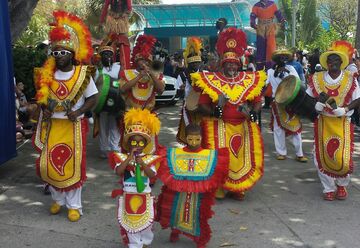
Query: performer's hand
{"x":73,"y":115}
{"x":47,"y":114}
{"x":319,"y":107}
{"x":339,"y":112}
{"x":253,"y":116}
{"x":218,"y":112}
{"x":139,"y":161}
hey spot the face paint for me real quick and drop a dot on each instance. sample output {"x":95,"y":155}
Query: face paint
{"x":137,"y":142}
{"x":193,"y":141}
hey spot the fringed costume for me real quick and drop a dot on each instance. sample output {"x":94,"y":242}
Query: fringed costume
{"x":334,"y":134}
{"x":233,"y":130}
{"x":190,"y":179}
{"x":265,"y":11}
{"x":61,"y":142}
{"x":115,"y":14}
{"x":136,"y":206}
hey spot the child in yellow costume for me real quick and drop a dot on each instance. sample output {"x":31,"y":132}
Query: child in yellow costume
{"x":136,"y":204}
{"x":190,"y":176}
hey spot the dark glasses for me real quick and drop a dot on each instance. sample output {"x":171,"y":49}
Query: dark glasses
{"x":60,"y":53}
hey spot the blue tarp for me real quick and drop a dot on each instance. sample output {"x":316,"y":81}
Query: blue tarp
{"x":7,"y":98}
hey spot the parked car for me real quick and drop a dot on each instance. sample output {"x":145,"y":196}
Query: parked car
{"x":170,"y":94}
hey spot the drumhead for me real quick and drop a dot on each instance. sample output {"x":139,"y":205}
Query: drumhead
{"x":287,"y":90}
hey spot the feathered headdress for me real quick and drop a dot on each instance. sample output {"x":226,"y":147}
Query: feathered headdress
{"x":192,"y":52}
{"x":231,"y":45}
{"x":106,"y":45}
{"x":343,"y":46}
{"x":70,"y":32}
{"x":140,"y":122}
{"x":143,"y":48}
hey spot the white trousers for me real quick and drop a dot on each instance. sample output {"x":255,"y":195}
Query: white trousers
{"x":72,"y":198}
{"x":109,"y":133}
{"x":137,"y":240}
{"x":280,"y":141}
{"x":329,"y":183}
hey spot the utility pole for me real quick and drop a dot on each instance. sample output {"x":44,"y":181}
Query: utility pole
{"x":294,"y":10}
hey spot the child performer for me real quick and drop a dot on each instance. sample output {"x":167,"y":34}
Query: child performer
{"x":190,"y":176}
{"x":136,"y":205}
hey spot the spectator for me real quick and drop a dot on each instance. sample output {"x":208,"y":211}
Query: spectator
{"x":314,"y":60}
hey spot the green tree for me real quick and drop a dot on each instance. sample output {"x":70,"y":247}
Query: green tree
{"x":309,"y":28}
{"x":357,"y":39}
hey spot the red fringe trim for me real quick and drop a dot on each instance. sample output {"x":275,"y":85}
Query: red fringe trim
{"x":164,"y":207}
{"x":218,"y":178}
{"x":317,"y":153}
{"x":287,"y":131}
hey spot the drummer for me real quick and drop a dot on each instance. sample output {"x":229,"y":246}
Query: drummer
{"x":107,"y":124}
{"x":283,"y":122}
{"x":333,"y":130}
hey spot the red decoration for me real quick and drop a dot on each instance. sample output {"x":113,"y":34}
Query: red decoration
{"x":236,"y":142}
{"x":59,"y":156}
{"x":331,"y":147}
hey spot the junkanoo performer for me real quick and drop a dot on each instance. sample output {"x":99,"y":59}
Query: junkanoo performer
{"x":265,"y":11}
{"x":66,"y":91}
{"x":190,"y":176}
{"x":225,"y":97}
{"x":333,"y":129}
{"x":107,"y":125}
{"x":136,"y":204}
{"x":284,"y":123}
{"x":115,"y":14}
{"x":192,"y":57}
{"x":140,"y":85}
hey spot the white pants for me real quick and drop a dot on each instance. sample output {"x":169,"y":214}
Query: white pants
{"x":329,"y":183}
{"x":280,"y":141}
{"x":109,"y":132}
{"x":72,"y":198}
{"x":137,"y":240}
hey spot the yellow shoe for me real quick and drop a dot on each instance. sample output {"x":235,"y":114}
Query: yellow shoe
{"x":220,"y":193}
{"x":281,"y":157}
{"x":73,"y":215}
{"x":55,"y":208}
{"x":301,"y":159}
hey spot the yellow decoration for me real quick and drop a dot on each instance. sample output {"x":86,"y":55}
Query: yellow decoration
{"x":135,"y":203}
{"x":192,"y":52}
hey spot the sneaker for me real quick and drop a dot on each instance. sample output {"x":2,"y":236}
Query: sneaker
{"x":73,"y":215}
{"x":302,"y":159}
{"x":341,"y":193}
{"x":174,"y":237}
{"x":281,"y":157}
{"x":239,"y":196}
{"x":329,"y":196}
{"x":55,"y":208}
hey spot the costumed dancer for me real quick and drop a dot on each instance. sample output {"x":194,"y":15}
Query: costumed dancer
{"x":190,"y":175}
{"x":140,"y":85}
{"x":109,"y":108}
{"x":136,"y":204}
{"x":230,"y":101}
{"x":283,"y":122}
{"x":115,"y":14}
{"x":192,"y":56}
{"x":334,"y":133}
{"x":65,"y":92}
{"x":265,"y":11}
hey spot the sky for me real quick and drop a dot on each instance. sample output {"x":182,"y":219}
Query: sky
{"x":192,"y":1}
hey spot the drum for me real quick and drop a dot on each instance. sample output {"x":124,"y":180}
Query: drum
{"x":291,"y":94}
{"x":109,"y":99}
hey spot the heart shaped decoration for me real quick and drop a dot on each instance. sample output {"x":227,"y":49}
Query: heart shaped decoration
{"x":332,"y":146}
{"x":236,"y":142}
{"x":59,"y":156}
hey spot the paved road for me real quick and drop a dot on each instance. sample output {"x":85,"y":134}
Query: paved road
{"x":285,"y":209}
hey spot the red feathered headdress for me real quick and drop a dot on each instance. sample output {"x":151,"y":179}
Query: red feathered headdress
{"x":343,"y":46}
{"x":143,"y":48}
{"x":231,"y":45}
{"x":69,"y":31}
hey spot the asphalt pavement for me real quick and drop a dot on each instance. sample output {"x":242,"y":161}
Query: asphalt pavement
{"x":285,"y":208}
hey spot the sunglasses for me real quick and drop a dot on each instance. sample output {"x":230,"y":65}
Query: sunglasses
{"x":61,"y":53}
{"x":135,"y":143}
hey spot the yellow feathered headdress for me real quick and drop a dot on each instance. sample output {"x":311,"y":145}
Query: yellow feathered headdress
{"x":140,"y":122}
{"x":192,"y":52}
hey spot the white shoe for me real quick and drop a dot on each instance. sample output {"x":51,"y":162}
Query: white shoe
{"x":91,"y":120}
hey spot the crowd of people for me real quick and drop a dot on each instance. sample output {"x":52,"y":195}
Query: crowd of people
{"x":223,"y":91}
